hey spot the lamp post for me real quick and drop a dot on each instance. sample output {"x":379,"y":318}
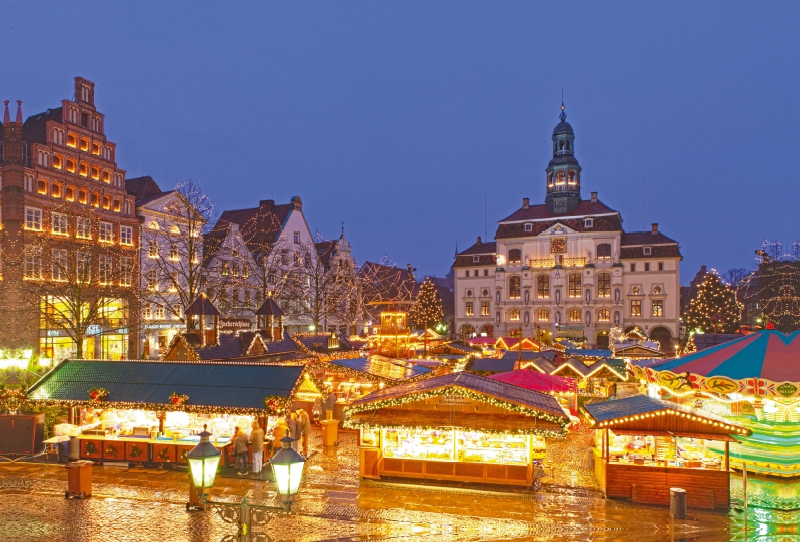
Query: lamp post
{"x":203,"y":461}
{"x":287,"y":466}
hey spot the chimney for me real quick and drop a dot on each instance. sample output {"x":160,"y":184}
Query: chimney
{"x":6,"y":116}
{"x":19,"y":112}
{"x":654,"y":229}
{"x":526,"y":202}
{"x":594,"y":197}
{"x":479,"y":240}
{"x":266,"y":204}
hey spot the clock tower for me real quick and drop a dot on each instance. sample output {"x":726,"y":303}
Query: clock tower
{"x":563,"y":171}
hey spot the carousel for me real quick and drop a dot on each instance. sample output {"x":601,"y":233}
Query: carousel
{"x":754,"y":382}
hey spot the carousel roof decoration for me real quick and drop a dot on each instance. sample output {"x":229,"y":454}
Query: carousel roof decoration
{"x":644,"y":414}
{"x":510,"y":343}
{"x":766,"y":363}
{"x":533,"y":380}
{"x":152,"y":385}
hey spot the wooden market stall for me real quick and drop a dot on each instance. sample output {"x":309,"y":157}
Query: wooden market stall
{"x":459,"y":427}
{"x":352,"y":378}
{"x":152,"y":411}
{"x":645,"y":446}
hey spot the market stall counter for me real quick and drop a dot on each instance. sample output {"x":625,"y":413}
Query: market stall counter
{"x":644,"y":446}
{"x":460,"y":427}
{"x":152,"y":411}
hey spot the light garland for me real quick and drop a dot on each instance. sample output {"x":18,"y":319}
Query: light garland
{"x":714,"y":300}
{"x":668,"y":412}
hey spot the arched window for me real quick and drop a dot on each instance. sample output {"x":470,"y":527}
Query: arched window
{"x":467,"y":331}
{"x":604,"y":251}
{"x":604,"y":315}
{"x":513,"y":315}
{"x":604,"y":285}
{"x":567,"y":145}
{"x":575,"y":285}
{"x":560,"y":177}
{"x":574,"y":315}
{"x":543,"y":286}
{"x":514,"y":255}
{"x":543,"y":315}
{"x":561,"y":146}
{"x":514,"y":289}
{"x":550,"y":178}
{"x":572,"y":177}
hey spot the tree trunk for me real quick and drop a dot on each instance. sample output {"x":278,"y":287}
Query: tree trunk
{"x":78,"y":346}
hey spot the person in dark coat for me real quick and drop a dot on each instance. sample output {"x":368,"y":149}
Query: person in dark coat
{"x":240,"y":446}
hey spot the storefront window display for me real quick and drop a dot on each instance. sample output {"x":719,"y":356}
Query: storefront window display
{"x":480,"y":447}
{"x":416,"y":443}
{"x":665,"y":451}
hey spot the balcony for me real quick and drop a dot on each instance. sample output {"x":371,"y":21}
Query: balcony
{"x":550,"y":263}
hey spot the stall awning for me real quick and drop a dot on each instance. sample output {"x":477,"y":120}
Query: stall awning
{"x":460,"y":420}
{"x":219,"y":386}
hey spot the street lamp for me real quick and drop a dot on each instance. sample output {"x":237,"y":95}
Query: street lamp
{"x":203,"y":460}
{"x":287,"y":466}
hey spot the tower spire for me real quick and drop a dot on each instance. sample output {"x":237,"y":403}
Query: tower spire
{"x":19,"y":112}
{"x":342,"y":229}
{"x":6,"y":116}
{"x":563,"y":115}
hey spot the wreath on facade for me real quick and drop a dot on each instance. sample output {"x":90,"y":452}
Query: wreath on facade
{"x":177,"y":399}
{"x":98,"y":394}
{"x":274,"y":403}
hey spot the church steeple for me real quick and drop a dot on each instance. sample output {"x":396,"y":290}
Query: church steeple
{"x":563,"y":171}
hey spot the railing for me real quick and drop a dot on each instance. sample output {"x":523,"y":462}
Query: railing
{"x":550,"y":263}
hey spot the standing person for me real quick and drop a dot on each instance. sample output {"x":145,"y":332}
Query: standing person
{"x":305,"y":426}
{"x":240,"y":447}
{"x":330,"y":404}
{"x":318,"y":408}
{"x":295,"y":431}
{"x":257,"y":444}
{"x":280,"y":430}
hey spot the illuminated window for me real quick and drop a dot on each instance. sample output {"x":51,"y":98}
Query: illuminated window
{"x":636,"y":307}
{"x":469,"y":309}
{"x":84,"y":142}
{"x":126,"y":235}
{"x":604,"y":285}
{"x":96,"y":149}
{"x":95,"y":173}
{"x":514,"y":289}
{"x":147,"y":312}
{"x":83,"y":169}
{"x":159,"y":311}
{"x":72,"y":141}
{"x":33,"y":262}
{"x":247,"y":299}
{"x":41,"y":187}
{"x":82,"y":195}
{"x":543,"y":286}
{"x":33,"y":219}
{"x":58,"y":161}
{"x":658,"y":307}
{"x":635,"y":290}
{"x":106,"y":232}
{"x":235,"y":269}
{"x":60,"y":224}
{"x":574,"y":315}
{"x":604,"y":315}
{"x":177,"y":311}
{"x":543,"y":315}
{"x":484,"y":308}
{"x":514,"y":255}
{"x":106,"y":202}
{"x":95,"y":200}
{"x":152,"y":279}
{"x":83,"y":228}
{"x":513,"y":315}
{"x":575,"y":285}
{"x":153,"y":250}
{"x":235,"y":298}
{"x":59,"y":264}
{"x":105,"y":268}
{"x":153,"y":225}
{"x":226,"y":269}
{"x":69,"y":193}
{"x":117,"y":206}
{"x":126,"y":270}
{"x":107,"y":177}
{"x":55,"y":190}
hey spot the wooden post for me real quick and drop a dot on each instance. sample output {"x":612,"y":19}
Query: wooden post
{"x":605,"y":448}
{"x":727,"y":451}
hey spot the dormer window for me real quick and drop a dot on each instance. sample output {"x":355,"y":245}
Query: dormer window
{"x":528,"y":227}
{"x":476,"y":259}
{"x":648,"y":251}
{"x":588,"y":222}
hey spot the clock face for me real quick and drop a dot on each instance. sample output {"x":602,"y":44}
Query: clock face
{"x":558,"y":245}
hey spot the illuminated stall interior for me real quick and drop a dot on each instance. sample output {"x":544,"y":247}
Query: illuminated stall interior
{"x":643,"y":446}
{"x":459,"y":427}
{"x":393,"y":339}
{"x":153,"y":411}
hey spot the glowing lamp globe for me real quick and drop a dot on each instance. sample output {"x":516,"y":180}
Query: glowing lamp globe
{"x":287,"y":466}
{"x":203,"y":460}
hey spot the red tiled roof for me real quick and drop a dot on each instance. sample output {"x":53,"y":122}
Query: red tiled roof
{"x":541,"y":212}
{"x":641,"y":238}
{"x":469,"y":261}
{"x":600,"y":223}
{"x":35,"y":128}
{"x":212,"y":241}
{"x":480,"y":248}
{"x":259,"y":226}
{"x":662,"y":251}
{"x":142,"y":188}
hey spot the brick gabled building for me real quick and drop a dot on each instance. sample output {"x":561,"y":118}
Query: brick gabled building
{"x":61,"y":188}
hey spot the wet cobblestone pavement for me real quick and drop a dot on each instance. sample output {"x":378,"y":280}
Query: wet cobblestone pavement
{"x":334,"y":504}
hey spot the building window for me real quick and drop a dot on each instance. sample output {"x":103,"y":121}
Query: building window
{"x":574,"y":315}
{"x":543,"y":286}
{"x":297,"y":238}
{"x":177,"y":311}
{"x":604,"y":315}
{"x":147,"y":312}
{"x":126,"y":271}
{"x":60,"y":263}
{"x":55,"y":190}
{"x":84,"y":267}
{"x":485,"y":272}
{"x":235,"y":269}
{"x":84,"y":228}
{"x":647,"y":266}
{"x":469,"y":310}
{"x":588,"y":222}
{"x":648,"y":251}
{"x":235,"y":298}
{"x":658,"y":307}
{"x":152,"y":279}
{"x":604,"y":285}
{"x":33,"y":262}
{"x":247,"y":299}
{"x":475,"y":259}
{"x":514,"y":288}
{"x":60,"y":224}
{"x":173,"y":252}
{"x":159,"y":312}
{"x":469,"y":293}
{"x":633,"y":268}
{"x":484,"y":308}
{"x":660,"y":266}
{"x":69,"y":193}
{"x":636,"y":307}
{"x":82,"y":196}
{"x":514,"y":255}
{"x":513,"y":315}
{"x":106,"y":232}
{"x":33,"y":219}
{"x":543,"y":315}
{"x":575,"y":285}
{"x":126,"y":235}
{"x":106,"y":267}
{"x":226,"y":270}
{"x":153,"y":250}
{"x":528,"y":227}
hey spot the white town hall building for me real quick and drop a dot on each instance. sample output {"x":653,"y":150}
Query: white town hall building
{"x":568,"y":264}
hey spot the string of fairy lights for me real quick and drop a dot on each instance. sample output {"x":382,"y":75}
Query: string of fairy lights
{"x":714,"y":309}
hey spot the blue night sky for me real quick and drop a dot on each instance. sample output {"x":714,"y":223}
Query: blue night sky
{"x":398,"y":118}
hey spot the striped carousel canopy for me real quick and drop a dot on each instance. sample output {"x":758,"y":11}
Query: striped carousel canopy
{"x":763,"y":363}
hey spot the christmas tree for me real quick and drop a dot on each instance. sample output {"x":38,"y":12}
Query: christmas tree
{"x":715,"y":308}
{"x":427,"y":311}
{"x":690,"y":348}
